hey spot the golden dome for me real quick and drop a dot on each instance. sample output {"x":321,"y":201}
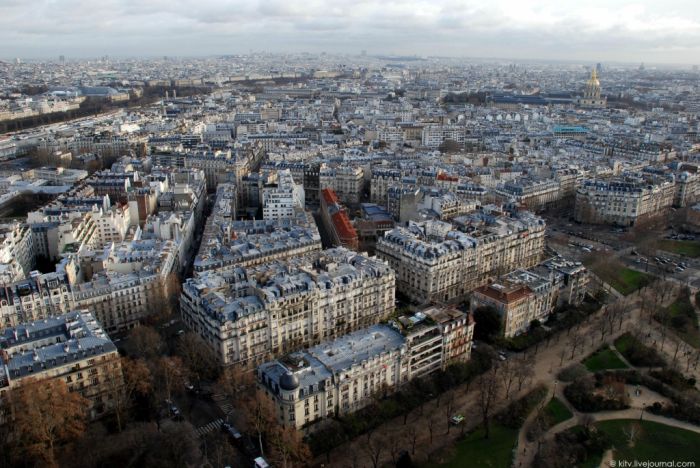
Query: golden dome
{"x":593,"y":80}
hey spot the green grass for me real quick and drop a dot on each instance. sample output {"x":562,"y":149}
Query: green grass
{"x":475,"y":450}
{"x":683,"y":319}
{"x":603,"y":359}
{"x":624,"y":342}
{"x":655,"y":442}
{"x":687,"y":248}
{"x":623,"y":279}
{"x":557,"y":412}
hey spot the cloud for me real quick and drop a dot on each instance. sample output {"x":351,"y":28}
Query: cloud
{"x":591,"y":30}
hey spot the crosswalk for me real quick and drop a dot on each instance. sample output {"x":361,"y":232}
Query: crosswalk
{"x":223,"y":403}
{"x":207,"y":428}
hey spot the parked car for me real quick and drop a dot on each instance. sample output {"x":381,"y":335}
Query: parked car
{"x":457,"y":419}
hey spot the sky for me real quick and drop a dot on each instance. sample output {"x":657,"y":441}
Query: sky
{"x":661,"y":31}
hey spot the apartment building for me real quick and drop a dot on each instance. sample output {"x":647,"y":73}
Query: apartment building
{"x":535,"y":195}
{"x":125,"y":282}
{"x":248,"y":314}
{"x":336,"y":221}
{"x":516,"y":304}
{"x":16,"y":252}
{"x":35,"y":298}
{"x":381,"y":179}
{"x":70,"y":347}
{"x":227,"y":243}
{"x":346,"y":181}
{"x":434,"y":262}
{"x":341,"y":376}
{"x":623,"y":201}
{"x":281,"y":198}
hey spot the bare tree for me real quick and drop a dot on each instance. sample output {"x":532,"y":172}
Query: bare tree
{"x":169,"y":375}
{"x":575,"y":341}
{"x":374,"y":448}
{"x":394,"y":441}
{"x":259,"y":414}
{"x":45,"y":414}
{"x":411,"y":435}
{"x":197,"y":356}
{"x":488,"y":391}
{"x":632,"y":432}
{"x":524,"y":370}
{"x":288,"y":447}
{"x":124,"y":378}
{"x":508,"y":372}
{"x":449,"y":408}
{"x":431,"y":423}
{"x":146,"y":342}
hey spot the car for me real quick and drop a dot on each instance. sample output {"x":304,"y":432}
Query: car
{"x":189,"y":386}
{"x":457,"y":419}
{"x":180,"y":332}
{"x":231,"y":431}
{"x":502,"y":357}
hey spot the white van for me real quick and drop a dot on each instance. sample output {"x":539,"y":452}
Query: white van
{"x":260,"y":462}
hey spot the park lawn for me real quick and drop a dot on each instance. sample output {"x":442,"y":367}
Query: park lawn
{"x":474,"y":450}
{"x":624,"y":342}
{"x":690,"y":333}
{"x":603,"y":359}
{"x":625,"y":280}
{"x":557,"y":411}
{"x":687,"y":248}
{"x":656,"y":442}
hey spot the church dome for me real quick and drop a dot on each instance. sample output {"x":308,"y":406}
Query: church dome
{"x":289,"y":381}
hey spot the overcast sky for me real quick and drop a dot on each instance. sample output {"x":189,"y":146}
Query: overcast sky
{"x":661,"y":31}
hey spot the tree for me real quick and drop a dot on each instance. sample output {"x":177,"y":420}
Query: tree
{"x":374,"y":447}
{"x":411,"y":435}
{"x":508,"y":371}
{"x":432,"y":421}
{"x":488,"y":390}
{"x":146,"y":342}
{"x":164,"y":300}
{"x":632,"y":432}
{"x":488,"y":323}
{"x":288,"y":447}
{"x":45,"y":414}
{"x":197,"y":356}
{"x":449,"y":408}
{"x":524,"y":370}
{"x":259,"y":414}
{"x":125,"y":378}
{"x":236,"y":383}
{"x":449,"y":146}
{"x":169,"y":375}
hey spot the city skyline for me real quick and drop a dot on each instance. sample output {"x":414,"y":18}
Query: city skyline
{"x":592,"y":31}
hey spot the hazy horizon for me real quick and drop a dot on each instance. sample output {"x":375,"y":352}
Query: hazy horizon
{"x":593,"y":31}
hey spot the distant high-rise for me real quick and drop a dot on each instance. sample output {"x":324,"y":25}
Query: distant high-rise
{"x":62,"y":59}
{"x":599,"y":68}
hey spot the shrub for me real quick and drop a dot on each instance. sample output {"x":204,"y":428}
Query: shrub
{"x":637,"y":353}
{"x":572,"y":372}
{"x":514,"y":414}
{"x":673,"y":378}
{"x":586,"y":397}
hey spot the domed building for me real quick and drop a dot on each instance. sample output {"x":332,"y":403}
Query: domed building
{"x":591,"y":96}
